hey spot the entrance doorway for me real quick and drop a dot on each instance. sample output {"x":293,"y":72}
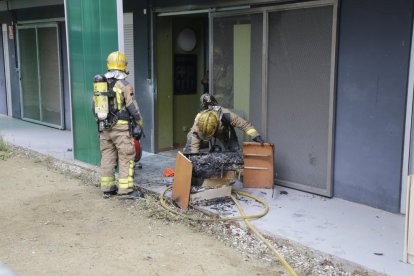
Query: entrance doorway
{"x":274,"y":66}
{"x":40,"y":74}
{"x":181,"y":64}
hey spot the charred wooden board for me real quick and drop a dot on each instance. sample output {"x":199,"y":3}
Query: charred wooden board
{"x":210,"y":194}
{"x":182,"y":181}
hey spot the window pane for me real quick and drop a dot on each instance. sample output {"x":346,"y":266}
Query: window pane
{"x":49,"y":75}
{"x":29,"y":73}
{"x":299,"y":70}
{"x":237,"y":62}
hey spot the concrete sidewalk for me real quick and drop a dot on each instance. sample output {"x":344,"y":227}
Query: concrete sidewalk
{"x":4,"y":271}
{"x":370,"y":237}
{"x":46,"y":140}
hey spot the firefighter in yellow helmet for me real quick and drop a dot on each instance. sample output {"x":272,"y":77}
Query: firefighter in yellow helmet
{"x":118,"y":128}
{"x":216,"y":122}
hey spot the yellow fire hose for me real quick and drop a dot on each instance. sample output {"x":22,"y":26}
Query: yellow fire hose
{"x":242,"y":217}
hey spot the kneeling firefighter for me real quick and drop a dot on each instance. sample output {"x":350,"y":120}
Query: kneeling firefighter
{"x":119,"y":122}
{"x":216,"y":122}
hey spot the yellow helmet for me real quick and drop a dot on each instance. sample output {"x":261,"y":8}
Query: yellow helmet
{"x":116,"y":61}
{"x":208,"y":122}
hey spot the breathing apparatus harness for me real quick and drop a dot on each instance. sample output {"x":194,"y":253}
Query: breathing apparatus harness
{"x":106,"y":109}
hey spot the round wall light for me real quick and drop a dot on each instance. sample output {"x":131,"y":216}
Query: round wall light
{"x":186,"y":40}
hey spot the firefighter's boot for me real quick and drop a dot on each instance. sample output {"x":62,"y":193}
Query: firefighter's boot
{"x":132,"y":195}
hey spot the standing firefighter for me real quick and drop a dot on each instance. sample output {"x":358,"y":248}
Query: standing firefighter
{"x":119,"y":121}
{"x":216,"y":122}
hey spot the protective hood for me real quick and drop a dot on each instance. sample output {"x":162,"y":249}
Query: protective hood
{"x":116,"y":74}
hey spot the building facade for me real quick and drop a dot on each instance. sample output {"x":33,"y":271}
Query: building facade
{"x":329,"y":82}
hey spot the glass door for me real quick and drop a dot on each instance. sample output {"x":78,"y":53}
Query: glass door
{"x":300,"y":96}
{"x":275,"y":66}
{"x":236,"y":64}
{"x":40,"y":74}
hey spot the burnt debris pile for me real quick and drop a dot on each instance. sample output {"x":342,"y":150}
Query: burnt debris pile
{"x":215,"y":164}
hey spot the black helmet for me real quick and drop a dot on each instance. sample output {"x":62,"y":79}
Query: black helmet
{"x":207,"y":100}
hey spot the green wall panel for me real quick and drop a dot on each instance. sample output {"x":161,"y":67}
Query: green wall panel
{"x":92,"y":31}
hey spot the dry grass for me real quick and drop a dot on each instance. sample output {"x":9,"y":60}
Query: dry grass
{"x":5,"y":149}
{"x":4,"y":146}
{"x":151,"y":207}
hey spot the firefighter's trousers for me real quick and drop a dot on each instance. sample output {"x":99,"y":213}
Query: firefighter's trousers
{"x":117,"y":144}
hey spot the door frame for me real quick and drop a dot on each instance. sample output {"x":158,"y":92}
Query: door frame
{"x":408,"y":143}
{"x":61,"y":104}
{"x":6,"y":56}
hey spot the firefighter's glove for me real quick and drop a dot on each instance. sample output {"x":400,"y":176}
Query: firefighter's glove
{"x":137,"y":132}
{"x":259,"y":139}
